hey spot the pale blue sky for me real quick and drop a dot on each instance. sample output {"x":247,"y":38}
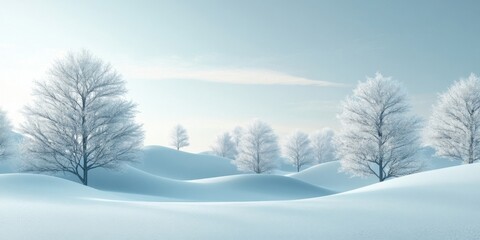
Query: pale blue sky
{"x":211,"y":65}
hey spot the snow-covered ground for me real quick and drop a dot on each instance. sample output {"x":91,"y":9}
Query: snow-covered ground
{"x":439,"y":204}
{"x":170,"y":194}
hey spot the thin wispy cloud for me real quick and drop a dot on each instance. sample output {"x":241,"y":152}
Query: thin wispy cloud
{"x":222,"y":75}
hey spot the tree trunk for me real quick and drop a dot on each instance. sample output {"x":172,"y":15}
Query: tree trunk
{"x":380,"y":172}
{"x":470,"y":148}
{"x":84,"y":144}
{"x":85,"y":178}
{"x":380,"y":148}
{"x":257,"y":170}
{"x":380,"y":156}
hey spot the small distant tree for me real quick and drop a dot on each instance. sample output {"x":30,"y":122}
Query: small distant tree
{"x":378,"y":137}
{"x":323,"y":145}
{"x":298,"y":150}
{"x":237,"y":134}
{"x":258,"y":150}
{"x":5,"y":137}
{"x":80,"y":120}
{"x":454,"y":128}
{"x":224,"y":146}
{"x":179,"y":137}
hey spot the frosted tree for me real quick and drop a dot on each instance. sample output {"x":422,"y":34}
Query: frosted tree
{"x":298,"y":150}
{"x":378,"y":137}
{"x":6,"y":147}
{"x":80,"y":120}
{"x":323,"y":145}
{"x":237,"y":134}
{"x":224,"y":146}
{"x":179,"y":137}
{"x":258,"y":151}
{"x":454,"y":127}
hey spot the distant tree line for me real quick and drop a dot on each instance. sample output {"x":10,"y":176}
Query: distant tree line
{"x":80,"y":120}
{"x":379,"y":135}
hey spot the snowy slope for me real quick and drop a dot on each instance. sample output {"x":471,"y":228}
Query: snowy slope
{"x":170,"y":163}
{"x":328,"y":175}
{"x":439,"y":204}
{"x":228,"y":188}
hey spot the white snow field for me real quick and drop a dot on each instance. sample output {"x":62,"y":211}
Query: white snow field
{"x":438,"y":204}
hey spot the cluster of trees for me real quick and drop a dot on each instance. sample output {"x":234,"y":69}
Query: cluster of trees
{"x":80,"y":120}
{"x":255,"y":148}
{"x":379,"y":134}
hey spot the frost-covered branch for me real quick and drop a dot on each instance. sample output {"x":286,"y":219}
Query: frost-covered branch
{"x":454,"y":128}
{"x":378,"y":137}
{"x":80,"y":120}
{"x":258,"y":151}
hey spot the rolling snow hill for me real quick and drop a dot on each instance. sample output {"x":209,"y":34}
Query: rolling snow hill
{"x":170,"y":163}
{"x":228,"y":188}
{"x":328,"y":175}
{"x":438,"y":204}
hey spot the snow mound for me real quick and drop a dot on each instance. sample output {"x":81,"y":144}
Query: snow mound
{"x":328,"y":175}
{"x":228,"y":188}
{"x":170,"y":163}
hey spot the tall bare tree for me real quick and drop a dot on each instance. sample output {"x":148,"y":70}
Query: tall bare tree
{"x":80,"y":120}
{"x":258,"y":150}
{"x":298,"y":150}
{"x":378,"y":137}
{"x":454,"y":128}
{"x":179,"y":137}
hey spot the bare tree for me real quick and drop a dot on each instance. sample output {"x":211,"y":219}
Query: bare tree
{"x":454,"y":128}
{"x":323,"y":145}
{"x":258,"y":150}
{"x":224,"y":146}
{"x":80,"y":120}
{"x":5,"y":137}
{"x":179,"y":137}
{"x":298,"y":150}
{"x":378,"y":137}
